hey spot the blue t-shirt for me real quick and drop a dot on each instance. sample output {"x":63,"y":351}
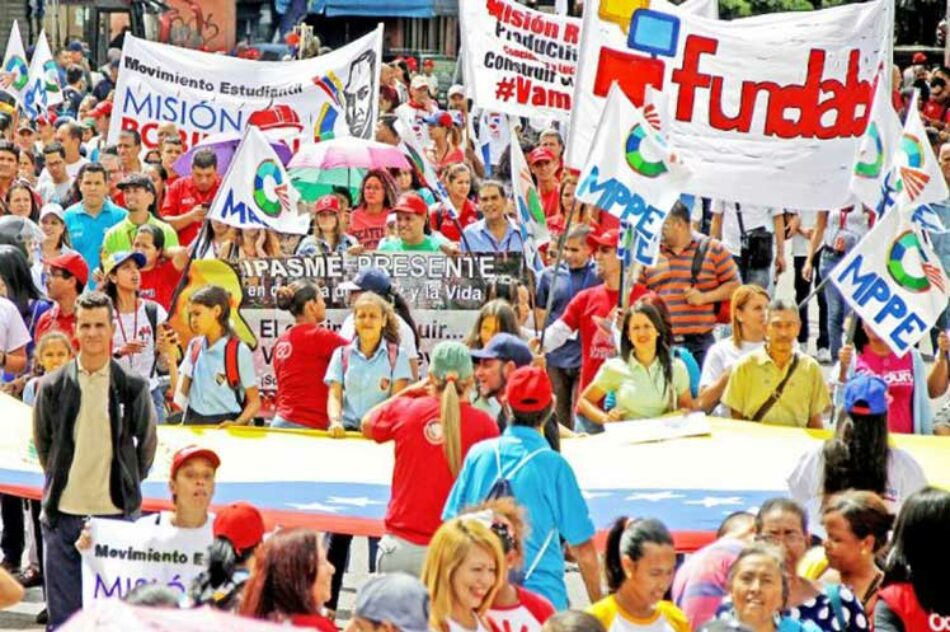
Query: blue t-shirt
{"x":479,"y":239}
{"x":368,"y":381}
{"x":210,"y":393}
{"x":569,"y":283}
{"x":545,"y":486}
{"x":86,"y":233}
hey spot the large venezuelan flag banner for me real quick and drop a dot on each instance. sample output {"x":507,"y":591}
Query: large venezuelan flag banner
{"x":308,"y":479}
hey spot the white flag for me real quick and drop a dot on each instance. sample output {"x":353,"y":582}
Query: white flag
{"x":920,"y":180}
{"x":43,"y":90}
{"x":894,"y":282}
{"x":256,"y":191}
{"x":16,"y":72}
{"x":878,"y":149}
{"x":530,"y":219}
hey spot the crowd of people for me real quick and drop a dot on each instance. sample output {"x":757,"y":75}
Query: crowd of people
{"x":485,"y":515}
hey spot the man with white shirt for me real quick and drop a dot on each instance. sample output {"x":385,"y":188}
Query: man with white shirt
{"x":754,"y":235}
{"x":54,"y":183}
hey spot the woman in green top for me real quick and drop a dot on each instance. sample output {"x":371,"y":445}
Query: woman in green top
{"x":646,"y":377}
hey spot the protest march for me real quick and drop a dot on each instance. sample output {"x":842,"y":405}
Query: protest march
{"x":602,"y":316}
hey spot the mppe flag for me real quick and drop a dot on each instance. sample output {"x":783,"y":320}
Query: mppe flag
{"x":256,"y":191}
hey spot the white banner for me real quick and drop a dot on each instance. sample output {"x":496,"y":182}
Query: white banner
{"x":42,"y":90}
{"x":518,"y":60}
{"x":894,"y":282}
{"x":766,"y":110}
{"x":203,"y":94}
{"x":16,"y":72}
{"x":124,"y":555}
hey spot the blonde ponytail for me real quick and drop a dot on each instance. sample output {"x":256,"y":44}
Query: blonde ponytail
{"x":451,"y":416}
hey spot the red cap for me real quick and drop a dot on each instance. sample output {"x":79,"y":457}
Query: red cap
{"x":609,"y":238}
{"x":46,"y":119}
{"x":190,"y":452}
{"x":73,"y":263}
{"x":327,"y":203}
{"x":241,"y":524}
{"x":919,"y":58}
{"x":411,"y":63}
{"x":529,"y":390}
{"x":540,"y":154}
{"x":103,"y":109}
{"x":275,"y":117}
{"x":428,"y":62}
{"x":411,"y":203}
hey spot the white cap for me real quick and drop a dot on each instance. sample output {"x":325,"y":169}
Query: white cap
{"x":53,"y":209}
{"x":456,"y":89}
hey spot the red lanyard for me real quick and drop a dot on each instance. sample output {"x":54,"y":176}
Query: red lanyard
{"x":135,"y":326}
{"x":843,"y":217}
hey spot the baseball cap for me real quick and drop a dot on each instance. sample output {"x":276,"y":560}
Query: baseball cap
{"x":540,"y":154}
{"x":427,"y":62}
{"x":507,"y":347}
{"x":89,"y":122}
{"x":190,"y":452}
{"x":116,"y":259}
{"x":370,"y":280}
{"x":397,"y":598}
{"x":73,"y":263}
{"x":919,"y":58}
{"x":74,"y":46}
{"x":441,"y":118}
{"x":411,"y":203}
{"x":139,"y":180}
{"x":53,"y":209}
{"x":456,"y":89}
{"x":26,"y":124}
{"x":609,"y":238}
{"x":241,"y":524}
{"x":451,"y":357}
{"x":529,"y":390}
{"x":418,"y":82}
{"x":327,"y":203}
{"x":865,"y":395}
{"x":102,"y":109}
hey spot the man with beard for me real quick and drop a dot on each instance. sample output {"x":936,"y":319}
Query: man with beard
{"x":358,"y":95}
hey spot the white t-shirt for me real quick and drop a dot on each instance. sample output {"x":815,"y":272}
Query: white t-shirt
{"x":455,"y":627}
{"x":850,"y":224}
{"x":722,"y":356}
{"x":129,"y":327}
{"x":13,"y":333}
{"x":73,"y":169}
{"x":799,"y":242}
{"x":753,"y":216}
{"x":493,"y":129}
{"x":407,"y":341}
{"x":164,"y":519}
{"x":904,"y":477}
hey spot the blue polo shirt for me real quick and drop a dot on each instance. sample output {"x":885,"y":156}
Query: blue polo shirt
{"x":368,"y":381}
{"x":87,"y":233}
{"x":569,"y":283}
{"x":545,"y":486}
{"x":480,"y":239}
{"x":210,"y":393}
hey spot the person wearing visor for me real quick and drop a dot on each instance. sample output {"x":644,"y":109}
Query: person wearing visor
{"x":139,"y":192}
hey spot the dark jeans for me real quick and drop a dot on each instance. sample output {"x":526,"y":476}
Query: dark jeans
{"x":62,"y":569}
{"x":193,"y":418}
{"x":802,"y":288}
{"x":12,"y":540}
{"x":338,"y":554}
{"x":564,"y":383}
{"x":697,"y":344}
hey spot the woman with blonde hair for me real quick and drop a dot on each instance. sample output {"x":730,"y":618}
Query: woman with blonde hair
{"x":433,"y":426}
{"x":463,"y":571}
{"x":749,"y":305}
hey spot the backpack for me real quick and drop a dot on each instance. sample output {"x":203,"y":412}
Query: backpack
{"x":392,"y":349}
{"x":723,"y":309}
{"x":232,"y":372}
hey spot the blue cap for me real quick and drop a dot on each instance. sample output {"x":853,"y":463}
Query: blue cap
{"x":373,"y":280}
{"x":74,"y":47}
{"x":396,"y":598}
{"x":505,"y":347}
{"x":865,"y":395}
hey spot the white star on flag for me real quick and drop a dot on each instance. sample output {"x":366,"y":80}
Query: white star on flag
{"x":313,"y":507}
{"x":654,"y":497}
{"x":713,"y":501}
{"x":362,"y":501}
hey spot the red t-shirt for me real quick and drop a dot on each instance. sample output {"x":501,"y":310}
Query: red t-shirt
{"x":935,"y":111}
{"x":421,"y":476}
{"x":368,"y":228}
{"x":54,"y":320}
{"x":454,"y":157}
{"x":439,"y":220}
{"x":588,"y":314}
{"x":528,"y":615}
{"x":551,"y":201}
{"x":899,"y":375}
{"x":301,"y":357}
{"x":158,"y":284}
{"x":180,"y":198}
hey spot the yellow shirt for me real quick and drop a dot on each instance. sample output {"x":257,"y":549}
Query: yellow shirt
{"x":756,"y":377}
{"x":666,"y":618}
{"x":641,"y":391}
{"x":87,"y":488}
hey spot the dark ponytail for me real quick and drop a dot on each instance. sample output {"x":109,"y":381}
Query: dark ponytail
{"x":401,"y":307}
{"x":223,"y":561}
{"x":627,"y":538}
{"x":294,"y":297}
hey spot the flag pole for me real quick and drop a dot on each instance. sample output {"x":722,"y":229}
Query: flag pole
{"x":557,"y":264}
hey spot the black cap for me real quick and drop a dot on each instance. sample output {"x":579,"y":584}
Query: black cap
{"x":137,"y":180}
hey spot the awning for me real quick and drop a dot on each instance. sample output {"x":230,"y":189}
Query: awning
{"x":378,"y":8}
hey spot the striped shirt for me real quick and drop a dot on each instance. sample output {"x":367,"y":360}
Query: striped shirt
{"x":672,"y":276}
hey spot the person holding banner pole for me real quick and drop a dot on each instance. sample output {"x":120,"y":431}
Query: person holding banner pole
{"x":188,"y":199}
